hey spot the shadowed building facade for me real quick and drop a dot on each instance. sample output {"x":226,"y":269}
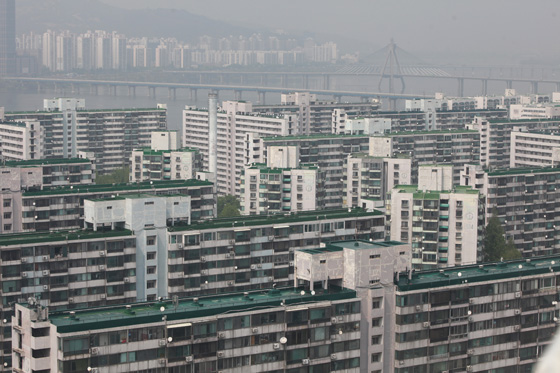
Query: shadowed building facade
{"x":7,"y":37}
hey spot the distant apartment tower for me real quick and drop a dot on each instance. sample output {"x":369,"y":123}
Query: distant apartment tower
{"x":66,"y":127}
{"x":457,"y":148}
{"x":368,"y":179}
{"x":282,"y":185}
{"x":439,"y":221}
{"x":236,"y":120}
{"x":328,"y":152}
{"x":535,"y":149}
{"x":165,"y":159}
{"x":7,"y":37}
{"x":524,"y":200}
{"x":315,"y":116}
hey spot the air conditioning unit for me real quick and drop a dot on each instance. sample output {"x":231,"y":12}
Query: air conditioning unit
{"x":189,"y":359}
{"x":254,"y":330}
{"x":401,"y":362}
{"x":426,"y":324}
{"x":469,"y":368}
{"x":102,"y":267}
{"x":46,"y":272}
{"x":271,"y":278}
{"x":203,"y":259}
{"x":333,"y":356}
{"x":24,"y":260}
{"x":162,"y":361}
{"x":45,"y":257}
{"x":102,"y":296}
{"x":162,"y":342}
{"x":518,"y":294}
{"x":232,"y":242}
{"x":45,"y":287}
{"x":517,"y":312}
{"x":102,"y":253}
{"x":221,"y":335}
{"x":94,"y":351}
{"x":228,"y":255}
{"x":70,"y":300}
{"x":24,"y":274}
{"x":471,"y":301}
{"x":418,"y":308}
{"x":470,"y":352}
{"x":270,"y":238}
{"x":230,"y":283}
{"x":516,"y":327}
{"x":259,"y":265}
{"x":180,"y":245}
{"x":333,"y":337}
{"x":305,"y":361}
{"x":333,"y":320}
{"x":276,"y":346}
{"x":127,"y":280}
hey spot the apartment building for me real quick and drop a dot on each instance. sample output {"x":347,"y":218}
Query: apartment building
{"x":495,"y":317}
{"x":277,"y":330}
{"x":495,"y":137}
{"x":62,"y":208}
{"x":271,"y":190}
{"x":67,"y":127}
{"x":36,"y":174}
{"x":179,"y":164}
{"x":361,"y":266}
{"x":457,"y":148}
{"x":256,"y":252}
{"x":315,"y":116}
{"x":524,"y":200}
{"x":328,"y":152}
{"x":65,"y":270}
{"x":236,"y":120}
{"x":368,"y":179}
{"x":439,"y":221}
{"x":535,"y":148}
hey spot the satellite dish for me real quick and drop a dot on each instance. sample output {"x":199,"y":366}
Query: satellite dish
{"x":302,"y":292}
{"x":283,"y":340}
{"x":162,"y":308}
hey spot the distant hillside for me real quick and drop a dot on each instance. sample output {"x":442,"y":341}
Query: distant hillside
{"x":82,"y":15}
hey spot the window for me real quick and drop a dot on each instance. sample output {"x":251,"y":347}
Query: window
{"x":151,"y":270}
{"x":151,"y":255}
{"x":151,"y":284}
{"x":375,"y":256}
{"x":7,"y":215}
{"x":375,"y":358}
{"x":7,"y":227}
{"x":375,"y":339}
{"x":7,"y":202}
{"x":148,"y":203}
{"x":376,"y":303}
{"x":109,"y":207}
{"x":376,"y":322}
{"x":150,"y":240}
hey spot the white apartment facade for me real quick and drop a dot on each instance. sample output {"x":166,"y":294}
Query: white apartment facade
{"x":534,"y":149}
{"x":236,"y":122}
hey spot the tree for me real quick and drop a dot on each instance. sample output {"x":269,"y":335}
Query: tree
{"x":225,"y":201}
{"x":494,"y":246}
{"x":229,"y":211}
{"x":120,"y":175}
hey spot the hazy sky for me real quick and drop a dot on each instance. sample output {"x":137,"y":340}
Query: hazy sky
{"x":485,"y":27}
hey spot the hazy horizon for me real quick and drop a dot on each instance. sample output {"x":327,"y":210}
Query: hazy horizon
{"x":472,"y":30}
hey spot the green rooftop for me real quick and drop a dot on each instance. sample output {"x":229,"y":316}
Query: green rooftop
{"x":54,"y":236}
{"x":314,"y":137}
{"x":521,"y":171}
{"x":124,"y":187}
{"x":186,"y":309}
{"x":479,"y":273}
{"x":432,"y":194}
{"x":352,"y":245}
{"x":150,"y":151}
{"x":41,"y":162}
{"x":256,"y":220}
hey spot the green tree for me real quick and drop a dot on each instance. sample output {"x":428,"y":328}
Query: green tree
{"x":229,"y":211}
{"x":120,"y":175}
{"x":226,"y":200}
{"x":494,"y":244}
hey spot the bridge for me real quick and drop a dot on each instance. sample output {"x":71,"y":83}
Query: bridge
{"x":194,"y":87}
